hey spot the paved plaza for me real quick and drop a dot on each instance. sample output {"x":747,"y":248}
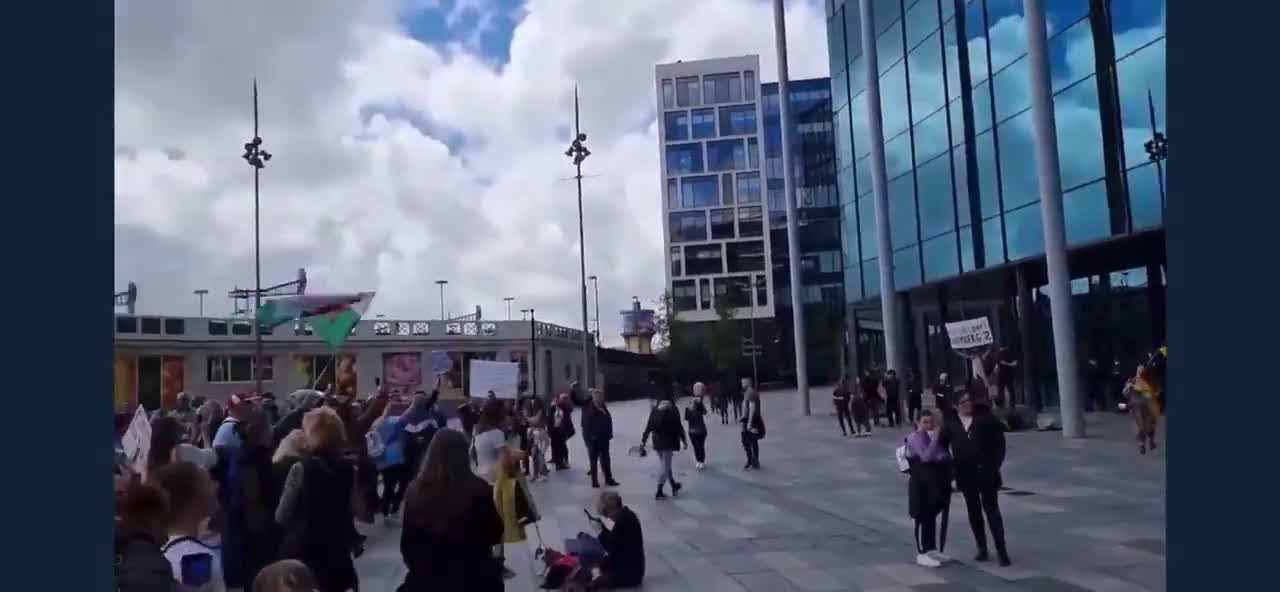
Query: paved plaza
{"x":829,"y":513}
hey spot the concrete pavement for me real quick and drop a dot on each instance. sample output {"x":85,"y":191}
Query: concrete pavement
{"x":829,"y":513}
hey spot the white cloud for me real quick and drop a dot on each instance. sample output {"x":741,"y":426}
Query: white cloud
{"x":376,"y":203}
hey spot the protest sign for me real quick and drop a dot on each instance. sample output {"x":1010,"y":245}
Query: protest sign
{"x":136,"y":442}
{"x":502,"y":378}
{"x":970,"y":333}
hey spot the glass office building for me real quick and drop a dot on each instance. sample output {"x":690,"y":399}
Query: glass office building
{"x":964,"y":206}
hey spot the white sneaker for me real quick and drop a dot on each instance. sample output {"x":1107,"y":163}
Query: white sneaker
{"x":701,"y":466}
{"x":924,"y":560}
{"x":939,"y":556}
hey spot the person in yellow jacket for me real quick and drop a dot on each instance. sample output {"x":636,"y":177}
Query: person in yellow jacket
{"x":511,"y":496}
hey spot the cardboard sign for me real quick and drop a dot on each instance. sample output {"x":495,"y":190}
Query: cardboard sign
{"x":503,"y":378}
{"x":136,"y":442}
{"x":970,"y":333}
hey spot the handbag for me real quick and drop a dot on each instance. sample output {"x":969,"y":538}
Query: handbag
{"x":901,"y":455}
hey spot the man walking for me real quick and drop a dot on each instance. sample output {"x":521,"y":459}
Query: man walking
{"x":597,"y":431}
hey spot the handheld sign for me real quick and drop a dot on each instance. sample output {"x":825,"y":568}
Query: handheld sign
{"x":970,"y":333}
{"x":502,"y":378}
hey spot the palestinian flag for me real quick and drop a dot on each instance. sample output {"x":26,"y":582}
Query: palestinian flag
{"x":331,"y":315}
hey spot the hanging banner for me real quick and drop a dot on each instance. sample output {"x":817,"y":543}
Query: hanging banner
{"x":970,"y":333}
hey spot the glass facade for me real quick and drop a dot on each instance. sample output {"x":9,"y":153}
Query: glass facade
{"x":958,"y":133}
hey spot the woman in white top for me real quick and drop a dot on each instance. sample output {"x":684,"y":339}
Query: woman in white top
{"x":488,"y":448}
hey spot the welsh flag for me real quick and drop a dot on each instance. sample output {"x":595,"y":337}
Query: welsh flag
{"x":331,"y":315}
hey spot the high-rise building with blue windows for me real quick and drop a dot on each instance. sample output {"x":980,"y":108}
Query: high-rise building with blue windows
{"x":724,"y":207}
{"x":964,"y":213}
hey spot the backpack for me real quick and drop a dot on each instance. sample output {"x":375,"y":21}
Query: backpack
{"x":373,"y":442}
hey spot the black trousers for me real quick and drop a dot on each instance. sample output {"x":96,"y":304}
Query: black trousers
{"x":559,"y":452}
{"x":927,"y":534}
{"x":737,"y":409}
{"x":724,"y":411}
{"x":394,"y":482}
{"x":699,"y":442}
{"x":598,"y":457}
{"x":914,"y":404}
{"x":751,"y":445}
{"x":843,"y":417}
{"x":1004,"y":390}
{"x":979,"y":501}
{"x":893,"y":411}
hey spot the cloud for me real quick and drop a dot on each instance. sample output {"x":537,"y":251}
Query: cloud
{"x":399,"y":162}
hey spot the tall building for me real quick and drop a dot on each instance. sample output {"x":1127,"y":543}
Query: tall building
{"x":716,"y":234}
{"x":963,"y":197}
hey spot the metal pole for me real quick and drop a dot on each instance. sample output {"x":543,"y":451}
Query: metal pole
{"x":1055,"y":230}
{"x":441,"y":283}
{"x":582,"y":251}
{"x":508,"y":299}
{"x":533,"y":354}
{"x":257,"y":259}
{"x":596,"y":283}
{"x":755,"y":370}
{"x":880,"y":187}
{"x":793,"y":233}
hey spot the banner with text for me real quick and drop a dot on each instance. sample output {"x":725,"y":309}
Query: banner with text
{"x":970,"y":333}
{"x":502,"y":378}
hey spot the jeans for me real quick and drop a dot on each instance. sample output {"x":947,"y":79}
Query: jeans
{"x":665,"y":474}
{"x":699,"y":442}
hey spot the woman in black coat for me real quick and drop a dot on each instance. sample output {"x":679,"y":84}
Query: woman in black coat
{"x":976,"y":440}
{"x":928,"y":488}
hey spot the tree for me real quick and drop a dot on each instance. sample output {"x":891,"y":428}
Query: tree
{"x":665,"y":321}
{"x":684,"y":357}
{"x":726,"y":338}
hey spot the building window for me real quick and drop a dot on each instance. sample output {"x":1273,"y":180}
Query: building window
{"x":242,"y":328}
{"x":126,"y":324}
{"x":217,"y":327}
{"x":749,"y":222}
{"x":722,"y":88}
{"x":753,"y":153}
{"x":150,"y":326}
{"x":748,"y":86}
{"x":683,"y":295}
{"x":688,"y":226}
{"x":684,"y":159}
{"x":726,"y":187}
{"x":675,"y":262}
{"x":688,"y":92}
{"x":668,"y":94}
{"x":722,"y":223}
{"x":703,"y":260}
{"x":699,"y":192}
{"x":738,"y":120}
{"x":734,"y":292}
{"x":748,"y":188}
{"x":726,"y":155}
{"x":238,"y":368}
{"x":673,"y":194}
{"x":704,"y":294}
{"x":745,"y":256}
{"x":703,"y":123}
{"x":175,"y":326}
{"x":677,"y":125}
{"x":762,"y":291}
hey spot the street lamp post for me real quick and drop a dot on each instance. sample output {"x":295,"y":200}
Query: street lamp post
{"x":509,"y":299}
{"x":257,"y":158}
{"x":442,"y":284}
{"x":200,"y":294}
{"x":595,"y":281}
{"x":533,"y":352}
{"x":578,"y":152}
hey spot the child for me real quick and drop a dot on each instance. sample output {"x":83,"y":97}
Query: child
{"x":539,"y":444}
{"x":192,"y":500}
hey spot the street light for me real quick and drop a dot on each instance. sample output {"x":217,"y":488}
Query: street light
{"x":578,"y":152}
{"x":257,"y":158}
{"x":595,"y":281}
{"x":442,"y":284}
{"x":509,"y":299}
{"x":200,"y":294}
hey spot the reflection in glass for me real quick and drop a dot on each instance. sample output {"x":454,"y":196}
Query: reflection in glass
{"x":921,"y":20}
{"x":684,"y":159}
{"x":738,"y":120}
{"x":1138,"y":74}
{"x":1144,"y":196}
{"x":852,"y":30}
{"x":931,"y":136}
{"x":867,"y":224}
{"x":861,"y":133}
{"x":967,"y":261}
{"x":925,"y":65}
{"x":677,"y":125}
{"x":960,"y":176}
{"x":1071,"y":55}
{"x":722,"y":223}
{"x":1011,"y":88}
{"x":703,"y":259}
{"x":871,"y":277}
{"x":902,"y":212}
{"x":699,"y":192}
{"x":703,"y":123}
{"x":687,"y":226}
{"x":1079,"y":135}
{"x":993,"y":242}
{"x":906,"y":268}
{"x":893,"y":98}
{"x":726,"y":155}
{"x":1086,"y":214}
{"x":1025,"y":232}
{"x":673,"y":194}
{"x":988,"y":182}
{"x":668,"y":94}
{"x":937,"y":205}
{"x":897,"y":155}
{"x":889,"y":43}
{"x":853,"y":283}
{"x":982,"y":107}
{"x":1018,"y":176}
{"x":941,"y":260}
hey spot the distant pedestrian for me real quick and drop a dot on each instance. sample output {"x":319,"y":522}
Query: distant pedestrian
{"x":915,"y":397}
{"x":753,"y":429}
{"x":668,"y":437}
{"x":695,"y":416}
{"x":892,"y":399}
{"x":840,"y":400}
{"x":597,"y":432}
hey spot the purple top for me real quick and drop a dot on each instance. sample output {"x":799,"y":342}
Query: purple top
{"x":925,"y":447}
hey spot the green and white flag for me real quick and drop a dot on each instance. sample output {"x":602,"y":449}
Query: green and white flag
{"x":331,"y":315}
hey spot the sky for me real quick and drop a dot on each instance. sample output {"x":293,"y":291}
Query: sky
{"x":412,"y":140}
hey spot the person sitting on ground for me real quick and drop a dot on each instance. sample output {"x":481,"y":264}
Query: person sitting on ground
{"x":623,"y":562}
{"x":192,"y":501}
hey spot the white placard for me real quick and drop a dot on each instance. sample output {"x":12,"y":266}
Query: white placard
{"x":136,"y":442}
{"x":970,"y":333}
{"x":500,"y":377}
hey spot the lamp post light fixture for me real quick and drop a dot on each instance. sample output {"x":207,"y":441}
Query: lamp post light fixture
{"x":578,"y":152}
{"x":442,"y":284}
{"x":200,"y":294}
{"x":256,"y":157}
{"x":508,"y":299}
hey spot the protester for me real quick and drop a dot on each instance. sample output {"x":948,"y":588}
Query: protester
{"x":915,"y":397}
{"x":184,"y":411}
{"x":870,"y":384}
{"x":418,"y":435}
{"x":288,"y":575}
{"x":511,"y":497}
{"x":490,"y":448}
{"x":167,"y":446}
{"x":141,"y":530}
{"x":561,"y":430}
{"x":753,"y":429}
{"x":1005,"y":377}
{"x":860,"y":410}
{"x":738,"y":395}
{"x":245,"y":493}
{"x":928,"y":487}
{"x":840,"y":400}
{"x":192,"y":500}
{"x":943,"y":393}
{"x":386,"y":443}
{"x":721,"y":392}
{"x":540,"y":444}
{"x":977,"y":446}
{"x":695,"y":415}
{"x":451,"y":524}
{"x":356,"y":421}
{"x":623,"y":563}
{"x":597,"y":431}
{"x":1142,"y":409}
{"x":892,"y":399}
{"x":315,"y":511}
{"x":468,"y":416}
{"x":668,"y":437}
{"x":299,"y":404}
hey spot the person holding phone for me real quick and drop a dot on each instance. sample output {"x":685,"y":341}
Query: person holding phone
{"x":622,"y":565}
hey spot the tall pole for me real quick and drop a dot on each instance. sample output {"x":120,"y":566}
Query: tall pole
{"x":595,"y":282}
{"x":1055,"y":230}
{"x":257,"y":158}
{"x":880,"y":189}
{"x":508,"y":299}
{"x":533,"y":354}
{"x":578,"y":151}
{"x":200,"y":295}
{"x":793,"y":238}
{"x":755,"y":370}
{"x":442,"y":283}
